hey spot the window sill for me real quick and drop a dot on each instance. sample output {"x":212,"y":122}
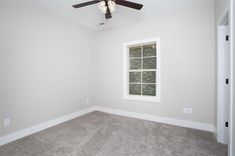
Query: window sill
{"x":141,"y":98}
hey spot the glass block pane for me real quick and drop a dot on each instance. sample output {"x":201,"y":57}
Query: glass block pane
{"x":149,"y":63}
{"x":149,"y":50}
{"x":149,"y":77}
{"x":135,"y":89}
{"x":135,"y":77}
{"x":149,"y":89}
{"x":135,"y":52}
{"x":135,"y":63}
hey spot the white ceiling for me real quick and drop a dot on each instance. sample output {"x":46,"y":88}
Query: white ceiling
{"x":90,"y":17}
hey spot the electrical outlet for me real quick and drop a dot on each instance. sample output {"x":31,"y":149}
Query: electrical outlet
{"x":7,"y":122}
{"x":87,"y":100}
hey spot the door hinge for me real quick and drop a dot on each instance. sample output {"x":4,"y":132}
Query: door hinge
{"x":226,"y":124}
{"x":227,"y":81}
{"x":227,"y":37}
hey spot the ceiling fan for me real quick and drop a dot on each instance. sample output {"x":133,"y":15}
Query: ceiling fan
{"x":108,"y":6}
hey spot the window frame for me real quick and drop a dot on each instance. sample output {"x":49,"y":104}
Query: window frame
{"x":126,"y":58}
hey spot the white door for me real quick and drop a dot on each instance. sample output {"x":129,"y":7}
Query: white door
{"x":227,"y":83}
{"x":223,"y":84}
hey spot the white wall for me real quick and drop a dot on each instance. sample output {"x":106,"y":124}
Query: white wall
{"x":187,"y":36}
{"x":233,"y":50}
{"x":221,"y":8}
{"x":50,"y":67}
{"x":46,"y":66}
{"x":1,"y":66}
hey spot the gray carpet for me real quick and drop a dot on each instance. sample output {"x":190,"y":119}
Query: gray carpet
{"x":102,"y":134}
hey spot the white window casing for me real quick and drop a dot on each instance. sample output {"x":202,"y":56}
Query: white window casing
{"x":126,"y":70}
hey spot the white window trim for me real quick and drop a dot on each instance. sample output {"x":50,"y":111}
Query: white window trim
{"x":126,"y":95}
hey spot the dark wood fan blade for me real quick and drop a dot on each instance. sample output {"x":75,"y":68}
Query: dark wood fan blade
{"x":129,"y":4}
{"x":85,"y":4}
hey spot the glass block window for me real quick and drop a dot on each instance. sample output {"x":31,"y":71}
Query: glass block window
{"x":141,"y":70}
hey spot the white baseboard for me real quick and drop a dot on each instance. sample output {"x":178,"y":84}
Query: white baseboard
{"x":166,"y":120}
{"x":34,"y":129}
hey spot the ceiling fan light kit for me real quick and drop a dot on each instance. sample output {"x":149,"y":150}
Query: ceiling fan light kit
{"x":111,"y":5}
{"x":102,"y":6}
{"x":108,"y":6}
